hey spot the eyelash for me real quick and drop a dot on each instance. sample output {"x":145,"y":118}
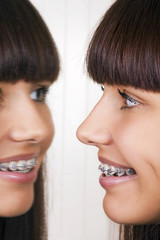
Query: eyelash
{"x":130,"y":99}
{"x":126,"y":97}
{"x":102,"y":88}
{"x":41,"y":94}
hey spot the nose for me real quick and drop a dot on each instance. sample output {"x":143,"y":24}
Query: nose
{"x":27,"y":123}
{"x":95,"y":129}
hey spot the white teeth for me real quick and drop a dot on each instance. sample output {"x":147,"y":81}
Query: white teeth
{"x":120,"y":172}
{"x":114,"y":171}
{"x":23,"y":171}
{"x":105,"y":167}
{"x":21,"y":166}
{"x":4,"y":166}
{"x":12,"y":166}
{"x":106,"y":173}
{"x":31,"y":163}
{"x":101,"y":167}
{"x":130,"y":171}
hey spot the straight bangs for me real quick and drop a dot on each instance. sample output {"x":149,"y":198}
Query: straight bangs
{"x":125,"y":49}
{"x":27,"y":50}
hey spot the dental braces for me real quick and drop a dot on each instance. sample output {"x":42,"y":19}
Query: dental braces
{"x":15,"y":167}
{"x":113,"y":171}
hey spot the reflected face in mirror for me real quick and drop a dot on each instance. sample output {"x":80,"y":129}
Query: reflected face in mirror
{"x":125,"y":127}
{"x":25,"y":135}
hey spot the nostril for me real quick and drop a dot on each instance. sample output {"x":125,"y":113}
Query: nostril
{"x":91,"y":143}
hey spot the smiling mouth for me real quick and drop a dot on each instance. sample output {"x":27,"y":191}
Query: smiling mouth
{"x":21,"y":166}
{"x":109,"y":170}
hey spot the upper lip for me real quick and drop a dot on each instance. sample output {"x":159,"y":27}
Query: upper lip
{"x":110,"y":163}
{"x":19,"y":157}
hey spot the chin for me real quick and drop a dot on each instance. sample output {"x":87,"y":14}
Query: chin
{"x":17,"y":203}
{"x":123,"y":214}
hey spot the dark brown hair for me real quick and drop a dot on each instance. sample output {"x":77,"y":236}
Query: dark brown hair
{"x":28,"y":52}
{"x":125,"y":50}
{"x":140,"y":232}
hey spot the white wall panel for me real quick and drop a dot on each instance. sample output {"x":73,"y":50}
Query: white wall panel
{"x":75,"y":197}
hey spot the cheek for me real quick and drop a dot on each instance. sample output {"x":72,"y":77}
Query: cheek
{"x":139,"y":142}
{"x":139,"y":146}
{"x":49,"y":133}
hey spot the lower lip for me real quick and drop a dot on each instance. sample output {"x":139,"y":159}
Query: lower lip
{"x":19,"y":177}
{"x":108,"y":182}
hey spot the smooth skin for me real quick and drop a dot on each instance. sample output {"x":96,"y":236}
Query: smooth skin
{"x":127,"y":132}
{"x":26,"y":128}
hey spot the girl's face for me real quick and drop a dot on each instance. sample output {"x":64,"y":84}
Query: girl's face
{"x":26,"y":131}
{"x":125,"y":126}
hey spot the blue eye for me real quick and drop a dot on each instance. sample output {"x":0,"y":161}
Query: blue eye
{"x":39,"y":94}
{"x":129,"y":101}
